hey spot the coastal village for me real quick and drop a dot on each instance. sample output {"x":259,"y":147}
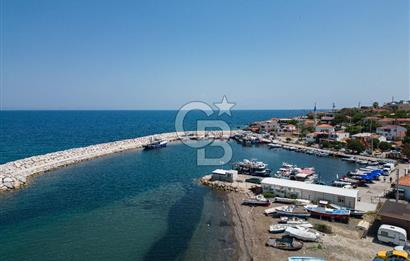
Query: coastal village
{"x":289,"y":214}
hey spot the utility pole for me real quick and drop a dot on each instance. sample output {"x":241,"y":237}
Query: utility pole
{"x":397,"y":184}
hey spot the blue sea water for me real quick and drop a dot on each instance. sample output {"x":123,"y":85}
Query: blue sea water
{"x":28,"y":133}
{"x":135,"y":205}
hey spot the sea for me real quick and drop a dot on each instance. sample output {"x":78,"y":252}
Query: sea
{"x":134,"y":205}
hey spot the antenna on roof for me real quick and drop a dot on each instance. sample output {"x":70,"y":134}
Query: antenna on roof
{"x":334,"y":106}
{"x":314,"y":115}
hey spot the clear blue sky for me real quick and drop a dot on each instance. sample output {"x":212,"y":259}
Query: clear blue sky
{"x":264,"y":54}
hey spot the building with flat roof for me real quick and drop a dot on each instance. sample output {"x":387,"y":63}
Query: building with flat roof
{"x":314,"y":192}
{"x":225,"y":175}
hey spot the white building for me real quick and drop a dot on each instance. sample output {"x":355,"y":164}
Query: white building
{"x":339,"y":136}
{"x":225,"y":175}
{"x":392,"y":132}
{"x":313,"y":192}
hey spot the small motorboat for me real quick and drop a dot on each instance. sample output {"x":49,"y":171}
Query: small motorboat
{"x":155,"y":144}
{"x":295,"y":221}
{"x":285,"y":243}
{"x":271,"y":211}
{"x":302,"y":233}
{"x":256,"y":201}
{"x":277,"y":228}
{"x":293,"y":211}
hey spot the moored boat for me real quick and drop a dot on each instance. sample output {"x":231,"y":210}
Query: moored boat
{"x":155,"y":144}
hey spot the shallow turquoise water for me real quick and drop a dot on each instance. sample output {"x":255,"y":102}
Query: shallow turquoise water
{"x":138,"y":205}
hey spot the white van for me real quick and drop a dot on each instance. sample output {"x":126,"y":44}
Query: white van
{"x":392,"y":234}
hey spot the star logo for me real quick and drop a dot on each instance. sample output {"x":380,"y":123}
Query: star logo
{"x":224,"y":106}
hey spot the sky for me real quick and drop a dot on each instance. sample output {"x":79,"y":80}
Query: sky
{"x":264,"y":54}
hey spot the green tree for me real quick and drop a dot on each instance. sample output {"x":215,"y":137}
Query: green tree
{"x":406,"y":150}
{"x":385,"y":146}
{"x":376,"y":143}
{"x":406,"y":140}
{"x":354,"y":129}
{"x":375,"y":105}
{"x":355,"y":145}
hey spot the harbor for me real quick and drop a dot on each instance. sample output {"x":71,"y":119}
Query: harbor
{"x":260,"y":222}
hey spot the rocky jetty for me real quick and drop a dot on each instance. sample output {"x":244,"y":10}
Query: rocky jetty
{"x":14,"y":174}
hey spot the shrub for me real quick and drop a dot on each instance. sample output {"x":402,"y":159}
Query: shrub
{"x":268,"y":194}
{"x":323,"y":228}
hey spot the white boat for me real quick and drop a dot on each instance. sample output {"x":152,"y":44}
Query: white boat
{"x":280,"y":228}
{"x":270,"y":211}
{"x":291,"y":201}
{"x":295,"y":221}
{"x":302,"y":233}
{"x":274,"y":145}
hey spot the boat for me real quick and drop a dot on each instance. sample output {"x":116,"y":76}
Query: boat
{"x":280,"y":228}
{"x":274,"y":145}
{"x":294,"y":221}
{"x":155,"y":144}
{"x":305,"y":258}
{"x":302,"y":233}
{"x":285,"y":243}
{"x":339,"y":214}
{"x":293,"y":211}
{"x":270,"y":211}
{"x":291,"y":201}
{"x":252,"y":167}
{"x":256,"y":201}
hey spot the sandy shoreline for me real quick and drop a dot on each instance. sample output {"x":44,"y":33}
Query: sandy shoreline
{"x":251,"y":233}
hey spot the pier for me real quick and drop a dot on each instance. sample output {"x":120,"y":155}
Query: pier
{"x":15,"y":174}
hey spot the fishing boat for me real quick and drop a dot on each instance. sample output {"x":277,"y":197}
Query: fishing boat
{"x":252,"y":167}
{"x":340,"y":214}
{"x":305,"y":258}
{"x":293,"y":211}
{"x":302,"y":233}
{"x":285,"y":243}
{"x":155,"y":144}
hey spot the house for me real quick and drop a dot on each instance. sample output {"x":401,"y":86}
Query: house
{"x":268,"y":126}
{"x":225,"y":175}
{"x":339,"y":136}
{"x":287,"y":129}
{"x":325,"y":128}
{"x":327,"y":118}
{"x":395,"y":214}
{"x":314,"y":192}
{"x":366,"y":137}
{"x":404,"y":184}
{"x":392,"y":132}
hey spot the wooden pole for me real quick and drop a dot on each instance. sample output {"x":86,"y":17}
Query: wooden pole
{"x":397,"y":184}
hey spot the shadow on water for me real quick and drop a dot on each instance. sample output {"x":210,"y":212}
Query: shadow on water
{"x":183,"y":218}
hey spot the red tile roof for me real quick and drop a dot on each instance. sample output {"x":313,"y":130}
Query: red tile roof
{"x":405,"y":181}
{"x":325,"y":126}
